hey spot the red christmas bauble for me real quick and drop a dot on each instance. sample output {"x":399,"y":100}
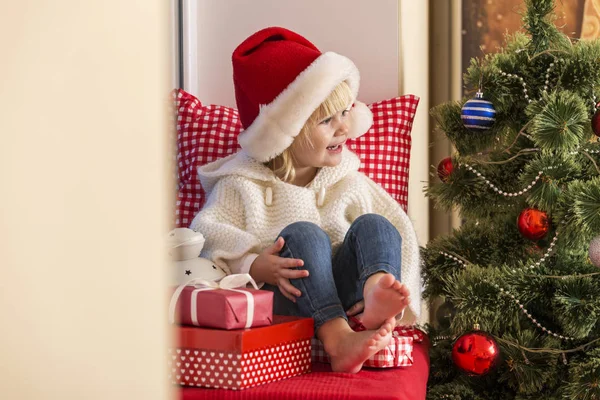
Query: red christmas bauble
{"x":596,"y":122}
{"x":445,"y":168}
{"x":475,"y":353}
{"x":533,"y":224}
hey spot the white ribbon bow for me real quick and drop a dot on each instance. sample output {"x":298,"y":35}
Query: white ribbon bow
{"x":230,"y":282}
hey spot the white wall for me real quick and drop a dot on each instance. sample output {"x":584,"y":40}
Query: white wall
{"x":366,"y":32}
{"x":83,"y":94}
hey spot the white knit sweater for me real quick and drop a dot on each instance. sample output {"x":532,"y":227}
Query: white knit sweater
{"x":248,"y":206}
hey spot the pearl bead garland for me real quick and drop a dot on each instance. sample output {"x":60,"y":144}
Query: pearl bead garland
{"x":440,"y":338}
{"x":546,"y":255}
{"x":520,"y":192}
{"x":550,"y":68}
{"x":586,"y":150}
{"x":528,"y":315}
{"x":531,"y":267}
{"x":450,"y":256}
{"x":499,"y":191}
{"x":517,"y":302}
{"x":522,"y":81}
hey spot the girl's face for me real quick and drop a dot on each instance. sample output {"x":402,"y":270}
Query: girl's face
{"x":328,"y":138}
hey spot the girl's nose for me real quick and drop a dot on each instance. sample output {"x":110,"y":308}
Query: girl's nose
{"x":341,"y":127}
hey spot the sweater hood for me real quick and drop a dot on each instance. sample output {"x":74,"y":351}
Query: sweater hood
{"x":242,"y":165}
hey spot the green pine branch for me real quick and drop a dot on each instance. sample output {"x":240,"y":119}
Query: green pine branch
{"x":560,"y":122}
{"x":539,"y":22}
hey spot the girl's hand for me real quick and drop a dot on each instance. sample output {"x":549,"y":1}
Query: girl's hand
{"x":269,"y":267}
{"x":356,"y":309}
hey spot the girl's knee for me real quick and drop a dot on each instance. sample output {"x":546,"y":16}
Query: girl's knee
{"x":375,"y":222}
{"x":306,"y":232}
{"x":372,"y":219}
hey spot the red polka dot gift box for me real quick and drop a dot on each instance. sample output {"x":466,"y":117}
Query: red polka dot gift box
{"x":241,"y":358}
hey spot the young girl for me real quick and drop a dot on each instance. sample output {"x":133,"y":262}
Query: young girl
{"x":291,"y":208}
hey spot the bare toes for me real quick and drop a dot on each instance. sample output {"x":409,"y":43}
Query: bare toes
{"x":404,"y":290}
{"x":388,"y":325}
{"x":387,"y":281}
{"x":385,"y":329}
{"x":377,"y":338}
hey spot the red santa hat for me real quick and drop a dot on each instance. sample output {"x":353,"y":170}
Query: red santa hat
{"x":280,"y":79}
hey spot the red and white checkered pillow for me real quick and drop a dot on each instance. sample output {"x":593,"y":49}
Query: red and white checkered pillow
{"x":206,"y":133}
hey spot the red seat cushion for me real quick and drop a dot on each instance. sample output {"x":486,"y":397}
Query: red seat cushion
{"x":206,"y":133}
{"x":407,"y":383}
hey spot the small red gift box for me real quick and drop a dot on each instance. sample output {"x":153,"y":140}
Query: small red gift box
{"x":223,"y":305}
{"x":243,"y":358}
{"x":398,"y":353}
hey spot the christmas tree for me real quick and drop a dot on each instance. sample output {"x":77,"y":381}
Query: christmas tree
{"x":525,"y":265}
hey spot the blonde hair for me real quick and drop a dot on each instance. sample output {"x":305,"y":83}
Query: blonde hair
{"x":339,"y":99}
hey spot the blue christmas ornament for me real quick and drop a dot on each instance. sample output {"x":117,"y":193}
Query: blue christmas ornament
{"x":478,"y":114}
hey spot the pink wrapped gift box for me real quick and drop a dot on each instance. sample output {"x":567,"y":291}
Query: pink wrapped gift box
{"x":211,"y":307}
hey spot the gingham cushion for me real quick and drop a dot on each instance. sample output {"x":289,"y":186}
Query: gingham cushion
{"x":398,"y":353}
{"x":206,"y":133}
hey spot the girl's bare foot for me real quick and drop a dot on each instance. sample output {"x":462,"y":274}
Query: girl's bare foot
{"x":385,"y":297}
{"x":348,"y":350}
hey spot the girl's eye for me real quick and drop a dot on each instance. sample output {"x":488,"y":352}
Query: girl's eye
{"x":326,"y":121}
{"x":345,"y":112}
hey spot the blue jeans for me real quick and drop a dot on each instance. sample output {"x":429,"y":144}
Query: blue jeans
{"x":335,"y":283}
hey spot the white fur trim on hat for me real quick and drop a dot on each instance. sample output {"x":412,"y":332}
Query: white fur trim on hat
{"x":280,"y":121}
